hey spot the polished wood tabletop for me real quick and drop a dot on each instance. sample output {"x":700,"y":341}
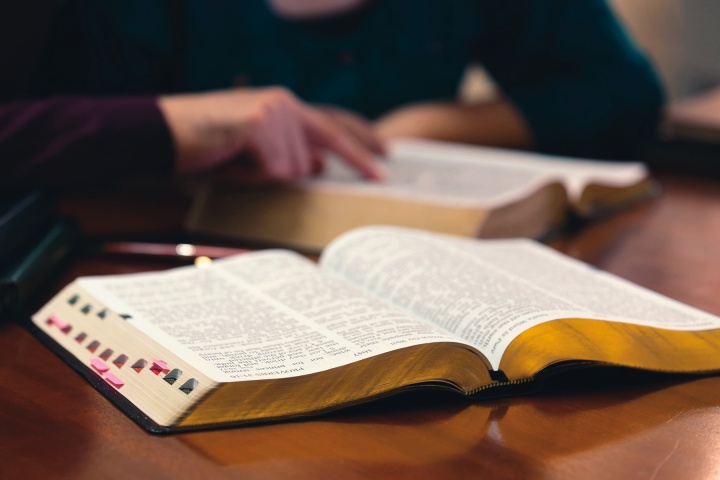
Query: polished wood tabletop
{"x":609,"y":424}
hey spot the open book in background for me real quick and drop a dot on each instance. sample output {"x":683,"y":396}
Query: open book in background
{"x":270,"y":335}
{"x":441,"y":187}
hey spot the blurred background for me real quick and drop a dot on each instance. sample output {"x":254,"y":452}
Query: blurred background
{"x":682,"y":37}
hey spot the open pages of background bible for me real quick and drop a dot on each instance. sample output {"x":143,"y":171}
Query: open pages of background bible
{"x":441,"y":187}
{"x":270,"y":335}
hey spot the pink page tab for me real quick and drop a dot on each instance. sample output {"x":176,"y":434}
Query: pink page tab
{"x":55,"y":320}
{"x":159,"y":366}
{"x":114,"y":380}
{"x":99,"y":365}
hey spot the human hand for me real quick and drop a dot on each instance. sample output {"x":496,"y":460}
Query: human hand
{"x":357,"y":126}
{"x":495,"y":123}
{"x":283,"y":137}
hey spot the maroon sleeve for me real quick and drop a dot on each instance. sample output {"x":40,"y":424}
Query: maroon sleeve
{"x":82,"y":141}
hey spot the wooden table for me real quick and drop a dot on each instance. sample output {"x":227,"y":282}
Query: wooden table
{"x":55,"y":425}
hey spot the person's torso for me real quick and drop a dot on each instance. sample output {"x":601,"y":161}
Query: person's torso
{"x":390,"y":53}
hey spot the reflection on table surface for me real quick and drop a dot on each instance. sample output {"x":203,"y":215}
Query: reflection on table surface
{"x":606,"y":424}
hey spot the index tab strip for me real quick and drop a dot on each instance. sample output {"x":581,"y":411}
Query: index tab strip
{"x":114,"y":380}
{"x":173,"y":376}
{"x":62,"y":325}
{"x":189,"y":386}
{"x":93,"y":346}
{"x":120,"y":360}
{"x":159,"y":366}
{"x":139,"y":365}
{"x":55,"y":320}
{"x":106,"y":354}
{"x":99,"y":365}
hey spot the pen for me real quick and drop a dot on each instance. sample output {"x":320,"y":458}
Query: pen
{"x":169,"y":250}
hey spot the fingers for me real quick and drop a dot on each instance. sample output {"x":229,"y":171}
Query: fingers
{"x":324,"y":133}
{"x":276,"y":150}
{"x":290,"y":132}
{"x":278,"y":143}
{"x":301,"y":157}
{"x":271,"y":126}
{"x":358,"y":127}
{"x":318,"y":161}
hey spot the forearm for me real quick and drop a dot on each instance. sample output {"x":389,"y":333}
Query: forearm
{"x":82,"y":141}
{"x":494,"y":123}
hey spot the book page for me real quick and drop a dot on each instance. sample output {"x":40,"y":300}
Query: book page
{"x":473,"y":175}
{"x":424,"y":175}
{"x":489,"y":291}
{"x":260,"y":315}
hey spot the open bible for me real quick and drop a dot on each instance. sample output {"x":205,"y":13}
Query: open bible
{"x":436,"y":186}
{"x":271,"y":335}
